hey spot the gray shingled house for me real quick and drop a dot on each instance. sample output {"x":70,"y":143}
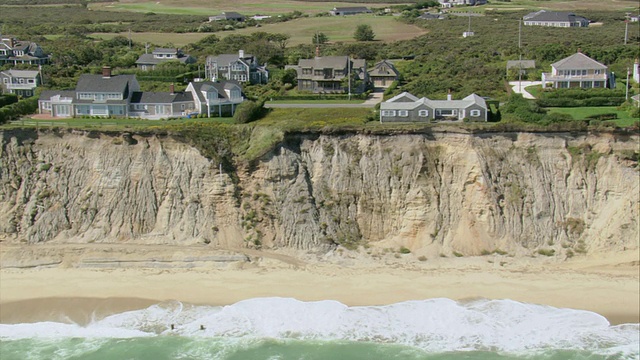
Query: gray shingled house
{"x":239,"y":67}
{"x":13,"y":51}
{"x":120,"y":96}
{"x":383,"y":74}
{"x":229,"y":16}
{"x":578,"y":71}
{"x":555,"y":19}
{"x":328,"y":74}
{"x":20,"y":82}
{"x":161,"y":55}
{"x":408,"y":108}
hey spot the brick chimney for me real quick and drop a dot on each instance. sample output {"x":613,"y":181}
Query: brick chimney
{"x":106,"y":72}
{"x":172,"y":89}
{"x":317,"y":51}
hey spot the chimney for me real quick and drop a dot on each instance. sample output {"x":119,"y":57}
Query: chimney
{"x":12,"y":42}
{"x":580,"y":50}
{"x":172,"y":89}
{"x":449,"y":95}
{"x":317,"y":51}
{"x":241,"y":54}
{"x":106,"y":72}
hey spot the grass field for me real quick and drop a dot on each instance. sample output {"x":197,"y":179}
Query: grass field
{"x":212,"y":7}
{"x":386,"y":28}
{"x":596,"y":5}
{"x":581,"y":113}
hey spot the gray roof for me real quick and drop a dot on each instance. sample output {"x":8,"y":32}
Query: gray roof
{"x":151,"y":60}
{"x":578,"y":61}
{"x":553,"y":16}
{"x":227,"y":59}
{"x":148,"y":97}
{"x":165,"y":51}
{"x":403,"y":97}
{"x":334,"y":62}
{"x":472,"y":99}
{"x":21,"y":73}
{"x":97,"y":83}
{"x":352,"y":9}
{"x":521,"y":64}
{"x":219,"y":86}
{"x":384,"y":68}
{"x":48,"y":94}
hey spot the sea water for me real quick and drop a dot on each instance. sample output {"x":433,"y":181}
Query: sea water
{"x":283,"y":328}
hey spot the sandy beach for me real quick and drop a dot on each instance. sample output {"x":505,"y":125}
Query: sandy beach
{"x":606,"y":284}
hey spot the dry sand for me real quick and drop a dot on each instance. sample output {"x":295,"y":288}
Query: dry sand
{"x":608,"y":285}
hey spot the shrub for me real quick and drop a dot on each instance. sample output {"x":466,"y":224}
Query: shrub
{"x":404,"y":250}
{"x":546,"y":252}
{"x":457,"y":254}
{"x":422,"y":258}
{"x":249,"y":111}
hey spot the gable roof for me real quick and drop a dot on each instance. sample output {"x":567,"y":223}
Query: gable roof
{"x":553,"y":16}
{"x":229,"y":58}
{"x":218,"y":86}
{"x":472,"y":99}
{"x":21,"y":73}
{"x":578,"y":61}
{"x":46,"y":95}
{"x":403,"y":97}
{"x":97,"y":83}
{"x":165,"y":51}
{"x":150,"y":59}
{"x":334,"y":62}
{"x":384,"y":68}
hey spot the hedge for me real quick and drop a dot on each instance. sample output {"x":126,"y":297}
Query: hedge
{"x":16,"y":110}
{"x":8,"y":99}
{"x":362,"y":96}
{"x":581,"y":93}
{"x":569,"y":102}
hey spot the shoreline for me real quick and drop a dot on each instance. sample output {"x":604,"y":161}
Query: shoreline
{"x":605,"y":285}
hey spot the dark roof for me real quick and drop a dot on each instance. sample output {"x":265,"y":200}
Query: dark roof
{"x":226,"y":59}
{"x":334,"y":62}
{"x":553,"y":16}
{"x":97,"y":83}
{"x":351,"y":9}
{"x":165,"y":51}
{"x":147,"y":97}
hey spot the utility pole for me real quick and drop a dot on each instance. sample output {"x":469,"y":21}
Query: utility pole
{"x":349,"y":72}
{"x":520,"y":55}
{"x":626,"y":87}
{"x":626,"y":31}
{"x":129,"y":38}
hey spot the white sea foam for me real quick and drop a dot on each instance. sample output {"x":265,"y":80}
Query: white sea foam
{"x":435,"y":325}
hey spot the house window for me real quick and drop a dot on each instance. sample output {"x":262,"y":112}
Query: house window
{"x":242,"y":77}
{"x":237,"y":67}
{"x":21,"y":81}
{"x":447,"y":112}
{"x":474,"y":113}
{"x":159,"y":109}
{"x":586,"y":84}
{"x":563,"y":84}
{"x":31,"y":81}
{"x":423,"y":113}
{"x":584,"y":72}
{"x":6,"y":80}
{"x":403,"y":113}
{"x":388,"y":113}
{"x":598,"y":72}
{"x":306,"y":71}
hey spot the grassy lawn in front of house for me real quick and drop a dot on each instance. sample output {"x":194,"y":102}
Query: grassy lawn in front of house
{"x":581,"y":113}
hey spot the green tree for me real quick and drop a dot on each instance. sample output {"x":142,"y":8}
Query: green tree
{"x":319,"y":38}
{"x":364,"y":33}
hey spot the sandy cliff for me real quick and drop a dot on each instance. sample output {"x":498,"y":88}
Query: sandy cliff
{"x":436,"y":194}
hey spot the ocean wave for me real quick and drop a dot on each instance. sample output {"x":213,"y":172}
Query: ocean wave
{"x":434,"y":325}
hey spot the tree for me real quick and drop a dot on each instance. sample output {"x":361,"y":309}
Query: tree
{"x":364,"y":33}
{"x":319,"y":38}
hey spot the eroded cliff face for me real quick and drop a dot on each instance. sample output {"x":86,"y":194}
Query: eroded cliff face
{"x":433,"y":194}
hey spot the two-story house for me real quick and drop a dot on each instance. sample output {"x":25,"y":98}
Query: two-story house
{"x":20,"y":82}
{"x":161,"y":55}
{"x":329,"y":74}
{"x":578,"y":71}
{"x":216,"y":97}
{"x":408,"y":108}
{"x":554,"y":19}
{"x":16,"y":52}
{"x":120,"y":96}
{"x":383,"y":74}
{"x":238,"y":67}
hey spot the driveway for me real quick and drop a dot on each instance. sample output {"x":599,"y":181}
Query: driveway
{"x":372,"y":100}
{"x":519,"y":87}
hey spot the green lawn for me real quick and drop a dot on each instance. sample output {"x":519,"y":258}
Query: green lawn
{"x":337,"y":28}
{"x":109,"y":124}
{"x":580,"y":113}
{"x":534,"y":90}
